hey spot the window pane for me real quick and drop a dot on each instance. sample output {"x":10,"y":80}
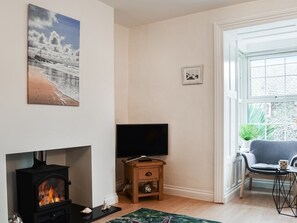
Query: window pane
{"x":257,"y":113}
{"x":292,"y":59}
{"x":269,"y":130}
{"x":291,"y":112}
{"x":257,"y":63}
{"x":262,"y":133}
{"x":279,"y":133}
{"x":258,"y":87}
{"x":274,"y":61}
{"x":291,"y":69}
{"x":275,"y":86}
{"x":275,"y":120}
{"x":257,"y":72}
{"x":276,"y":70}
{"x":291,"y":85}
{"x":291,"y":132}
{"x":278,"y":113}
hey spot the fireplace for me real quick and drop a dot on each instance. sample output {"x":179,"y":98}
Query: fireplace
{"x":43,"y":194}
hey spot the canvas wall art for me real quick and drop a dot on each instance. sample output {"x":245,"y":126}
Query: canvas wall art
{"x":53,"y":58}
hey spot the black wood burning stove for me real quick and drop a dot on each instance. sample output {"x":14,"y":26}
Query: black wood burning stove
{"x":43,"y":194}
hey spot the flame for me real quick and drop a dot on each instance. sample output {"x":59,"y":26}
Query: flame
{"x":49,"y":194}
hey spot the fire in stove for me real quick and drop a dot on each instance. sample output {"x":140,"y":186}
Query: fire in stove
{"x":51,"y":191}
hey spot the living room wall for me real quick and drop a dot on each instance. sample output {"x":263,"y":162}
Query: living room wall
{"x":27,"y":127}
{"x":157,"y":52}
{"x":121,"y":46}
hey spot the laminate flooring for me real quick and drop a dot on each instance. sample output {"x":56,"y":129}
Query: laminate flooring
{"x":255,"y":207}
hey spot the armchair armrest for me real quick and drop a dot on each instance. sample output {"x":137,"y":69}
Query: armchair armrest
{"x":249,"y":159}
{"x":293,"y":161}
{"x":252,"y":166}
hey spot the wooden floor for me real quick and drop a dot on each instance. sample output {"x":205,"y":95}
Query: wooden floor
{"x":255,"y":207}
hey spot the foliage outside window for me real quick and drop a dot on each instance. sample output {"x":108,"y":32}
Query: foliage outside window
{"x":272,"y":96}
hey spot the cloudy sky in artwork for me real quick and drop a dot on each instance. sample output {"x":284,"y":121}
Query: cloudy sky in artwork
{"x":52,"y":31}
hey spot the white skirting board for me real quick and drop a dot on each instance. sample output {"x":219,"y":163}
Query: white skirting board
{"x":232,"y":194}
{"x":111,"y":199}
{"x":189,"y":193}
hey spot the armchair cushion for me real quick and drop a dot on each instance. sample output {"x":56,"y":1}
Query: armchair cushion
{"x":264,"y":166}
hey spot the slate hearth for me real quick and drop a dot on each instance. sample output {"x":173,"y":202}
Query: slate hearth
{"x":76,"y":217}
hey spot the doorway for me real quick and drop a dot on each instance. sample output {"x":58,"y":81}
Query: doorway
{"x":228,"y":98}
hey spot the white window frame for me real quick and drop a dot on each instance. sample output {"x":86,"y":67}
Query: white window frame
{"x":269,"y":98}
{"x":246,"y":85}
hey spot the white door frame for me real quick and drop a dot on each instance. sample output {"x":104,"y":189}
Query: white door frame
{"x":219,"y":28}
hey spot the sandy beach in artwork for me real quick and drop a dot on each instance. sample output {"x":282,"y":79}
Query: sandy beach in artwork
{"x":42,"y":91}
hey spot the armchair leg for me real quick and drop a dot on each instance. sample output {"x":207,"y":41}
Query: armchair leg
{"x":251,"y":184}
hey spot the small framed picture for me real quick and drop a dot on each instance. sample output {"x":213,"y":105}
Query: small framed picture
{"x":192,"y":75}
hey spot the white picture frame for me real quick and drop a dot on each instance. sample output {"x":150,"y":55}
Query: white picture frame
{"x":192,"y":75}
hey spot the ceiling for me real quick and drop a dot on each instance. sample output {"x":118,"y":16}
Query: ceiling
{"x":132,"y":13}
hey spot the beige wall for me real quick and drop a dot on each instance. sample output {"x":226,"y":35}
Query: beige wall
{"x":122,"y":72}
{"x":157,"y":52}
{"x":121,"y":85}
{"x":26,"y":128}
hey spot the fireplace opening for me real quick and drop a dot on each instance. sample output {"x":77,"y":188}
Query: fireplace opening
{"x":35,"y":188}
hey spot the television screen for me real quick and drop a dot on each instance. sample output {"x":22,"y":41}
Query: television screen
{"x":134,"y":140}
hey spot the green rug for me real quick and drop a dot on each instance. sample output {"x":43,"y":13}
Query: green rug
{"x":145,"y":215}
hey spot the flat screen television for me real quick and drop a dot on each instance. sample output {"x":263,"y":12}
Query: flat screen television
{"x":136,"y":140}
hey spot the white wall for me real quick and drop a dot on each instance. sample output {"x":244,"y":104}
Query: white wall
{"x":157,"y":52}
{"x":25,"y":127}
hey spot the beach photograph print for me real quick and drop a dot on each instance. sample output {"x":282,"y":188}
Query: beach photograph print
{"x":53,"y":58}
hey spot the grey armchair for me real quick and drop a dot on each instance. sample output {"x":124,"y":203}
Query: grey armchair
{"x":262,"y":160}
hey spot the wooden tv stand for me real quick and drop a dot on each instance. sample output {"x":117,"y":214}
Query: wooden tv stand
{"x":138,"y":173}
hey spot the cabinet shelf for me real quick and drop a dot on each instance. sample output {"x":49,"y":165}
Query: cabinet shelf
{"x":154,"y":192}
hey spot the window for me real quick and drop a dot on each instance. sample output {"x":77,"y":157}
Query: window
{"x":272,"y":95}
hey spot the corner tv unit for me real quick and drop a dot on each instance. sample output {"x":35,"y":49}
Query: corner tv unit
{"x":137,"y":141}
